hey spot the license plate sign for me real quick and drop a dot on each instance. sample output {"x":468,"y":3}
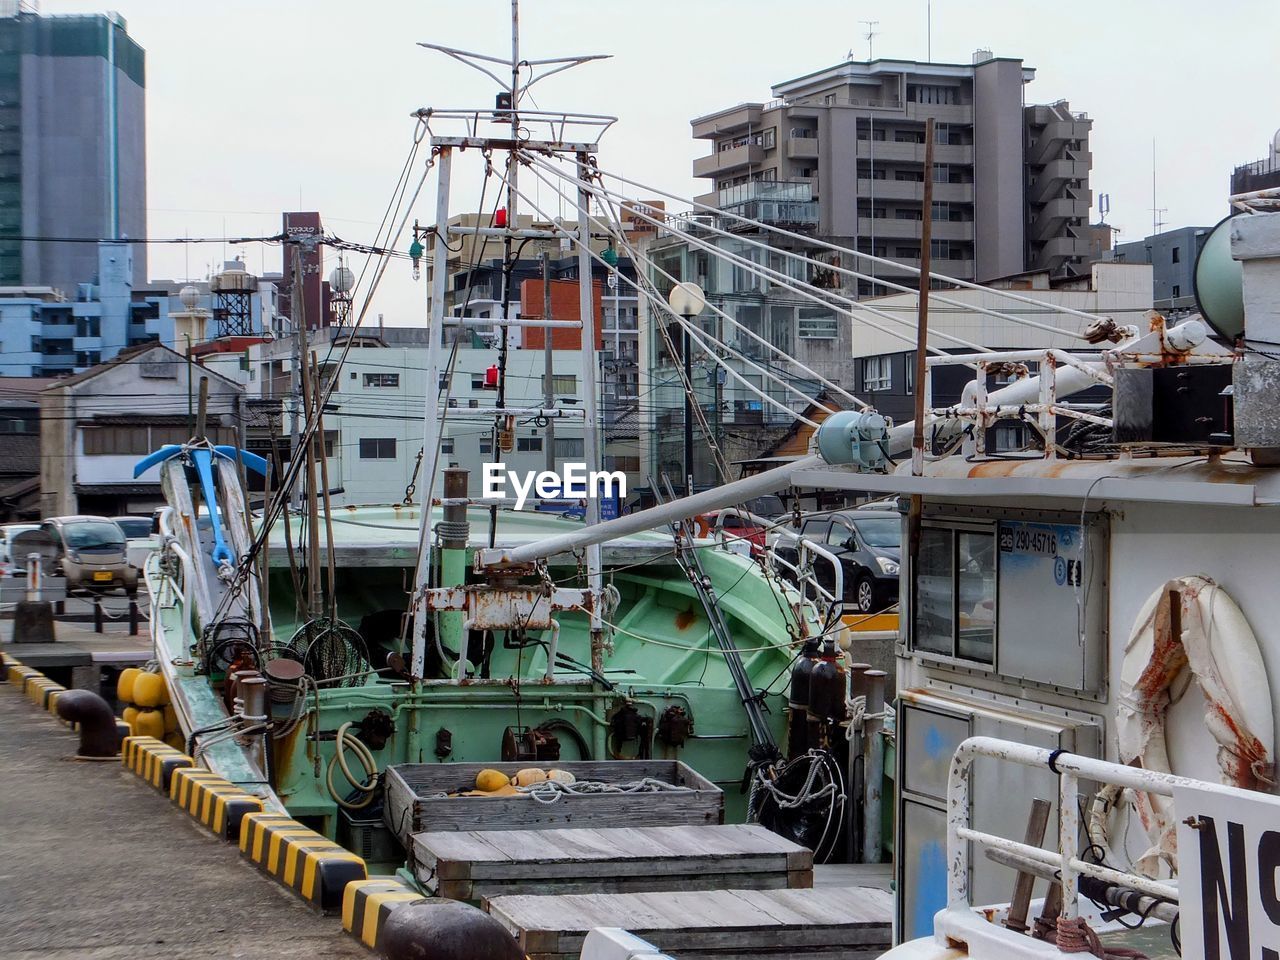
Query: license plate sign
{"x":101,"y":576}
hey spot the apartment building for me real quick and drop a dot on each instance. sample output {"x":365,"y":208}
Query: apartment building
{"x":840,"y":152}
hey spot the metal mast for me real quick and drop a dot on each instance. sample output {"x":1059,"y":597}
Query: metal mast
{"x":518,"y":134}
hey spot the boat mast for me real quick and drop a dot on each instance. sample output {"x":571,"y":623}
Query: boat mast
{"x":555,"y":144}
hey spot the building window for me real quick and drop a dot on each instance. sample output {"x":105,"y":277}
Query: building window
{"x":877,"y":373}
{"x":816,"y":324}
{"x":446,"y":445}
{"x":562,"y":383}
{"x":486,"y":446}
{"x":382,"y":379}
{"x":528,"y":444}
{"x":1177,"y":290}
{"x":770,"y":138}
{"x":1177,"y":257}
{"x":569,"y":447}
{"x":909,"y":371}
{"x":377,"y":448}
{"x":473,"y":403}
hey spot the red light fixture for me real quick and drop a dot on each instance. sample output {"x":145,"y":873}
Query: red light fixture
{"x":500,"y":217}
{"x":491,"y":378}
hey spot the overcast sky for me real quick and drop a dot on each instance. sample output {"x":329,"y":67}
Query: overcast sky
{"x":257,"y":106}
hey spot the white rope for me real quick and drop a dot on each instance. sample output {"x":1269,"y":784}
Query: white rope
{"x":667,"y":307}
{"x":859,"y":402}
{"x":884,"y":261}
{"x":550,"y":791}
{"x":855,"y":308}
{"x":854,"y":312}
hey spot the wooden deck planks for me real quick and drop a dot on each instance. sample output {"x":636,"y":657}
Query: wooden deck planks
{"x":775,"y":924}
{"x":478,"y":864}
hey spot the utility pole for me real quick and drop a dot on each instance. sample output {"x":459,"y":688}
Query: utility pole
{"x":548,"y":377}
{"x":922,"y":340}
{"x":299,"y":352}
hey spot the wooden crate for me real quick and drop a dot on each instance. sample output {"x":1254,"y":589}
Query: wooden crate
{"x":413,"y":804}
{"x":832,"y":923}
{"x":482,"y":864}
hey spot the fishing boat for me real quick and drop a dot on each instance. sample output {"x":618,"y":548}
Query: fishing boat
{"x":1056,"y":778}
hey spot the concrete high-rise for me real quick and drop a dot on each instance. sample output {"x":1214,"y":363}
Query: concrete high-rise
{"x":840,"y":152}
{"x":72,"y":144}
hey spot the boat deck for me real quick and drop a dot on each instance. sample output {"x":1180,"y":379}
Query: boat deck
{"x":98,"y":867}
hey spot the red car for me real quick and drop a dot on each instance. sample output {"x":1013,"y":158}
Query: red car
{"x":737,"y":527}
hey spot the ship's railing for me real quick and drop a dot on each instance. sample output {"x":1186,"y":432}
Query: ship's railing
{"x":1066,"y":862}
{"x":803,"y":570}
{"x":1027,"y":396}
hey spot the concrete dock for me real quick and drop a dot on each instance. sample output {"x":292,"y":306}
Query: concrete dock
{"x":96,"y":866}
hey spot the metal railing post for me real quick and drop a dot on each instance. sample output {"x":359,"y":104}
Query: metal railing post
{"x":97,"y":614}
{"x":35,"y":575}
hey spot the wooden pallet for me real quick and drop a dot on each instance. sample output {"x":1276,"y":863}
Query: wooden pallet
{"x":848,"y":923}
{"x":479,"y":864}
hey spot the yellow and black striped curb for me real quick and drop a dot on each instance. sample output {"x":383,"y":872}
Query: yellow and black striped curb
{"x":34,"y":685}
{"x":213,"y":800}
{"x":366,"y":905}
{"x":40,"y":688}
{"x":153,"y":760}
{"x":307,"y":862}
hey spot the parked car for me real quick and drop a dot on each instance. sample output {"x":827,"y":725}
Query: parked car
{"x":737,"y":527}
{"x":868,"y":544}
{"x":92,"y":554}
{"x":13,"y":561}
{"x":142,"y":534}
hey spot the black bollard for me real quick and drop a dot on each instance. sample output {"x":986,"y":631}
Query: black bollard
{"x":99,"y":735}
{"x":445,"y":930}
{"x":97,"y":614}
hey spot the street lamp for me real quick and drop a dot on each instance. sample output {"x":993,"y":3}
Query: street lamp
{"x":687,"y":301}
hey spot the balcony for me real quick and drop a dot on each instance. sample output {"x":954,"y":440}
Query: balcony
{"x":941,"y":112}
{"x":741,"y":117}
{"x":884,"y":228}
{"x":802,"y":148}
{"x":892,"y":150}
{"x":723,"y":161}
{"x":888,"y":189}
{"x":775,"y":202}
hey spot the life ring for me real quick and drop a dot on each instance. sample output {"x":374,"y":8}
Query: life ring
{"x":1189,"y":629}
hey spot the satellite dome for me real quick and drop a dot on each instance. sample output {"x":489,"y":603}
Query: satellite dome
{"x":189,"y":296}
{"x":341,"y":280}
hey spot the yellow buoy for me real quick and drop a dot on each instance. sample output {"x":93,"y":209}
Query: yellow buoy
{"x":489,"y":780}
{"x":170,"y":719}
{"x":561,"y":776}
{"x":149,"y":690}
{"x":124,"y":686}
{"x":529,"y":776}
{"x":130,"y":716}
{"x":149,"y":723}
{"x":175,"y":740}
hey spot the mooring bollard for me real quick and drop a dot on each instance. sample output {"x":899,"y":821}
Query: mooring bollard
{"x":97,"y":614}
{"x":33,"y":617}
{"x":133,"y":617}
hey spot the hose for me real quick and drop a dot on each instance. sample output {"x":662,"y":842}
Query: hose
{"x":365,"y":756}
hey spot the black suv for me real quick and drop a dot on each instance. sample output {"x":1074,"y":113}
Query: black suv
{"x":869,"y":545}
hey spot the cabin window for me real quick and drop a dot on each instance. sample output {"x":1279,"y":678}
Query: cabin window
{"x":955,"y":599}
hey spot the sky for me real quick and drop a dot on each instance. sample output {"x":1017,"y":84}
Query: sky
{"x":259,"y":106}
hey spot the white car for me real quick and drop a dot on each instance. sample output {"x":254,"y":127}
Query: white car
{"x":142,"y":538}
{"x":13,"y":559}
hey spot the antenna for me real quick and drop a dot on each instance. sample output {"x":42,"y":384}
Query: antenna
{"x":1104,"y":207}
{"x":1156,"y":222}
{"x":870,"y":35}
{"x":928,"y":30}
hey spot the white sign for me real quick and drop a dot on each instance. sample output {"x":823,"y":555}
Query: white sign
{"x":573,"y":483}
{"x":1228,"y":874}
